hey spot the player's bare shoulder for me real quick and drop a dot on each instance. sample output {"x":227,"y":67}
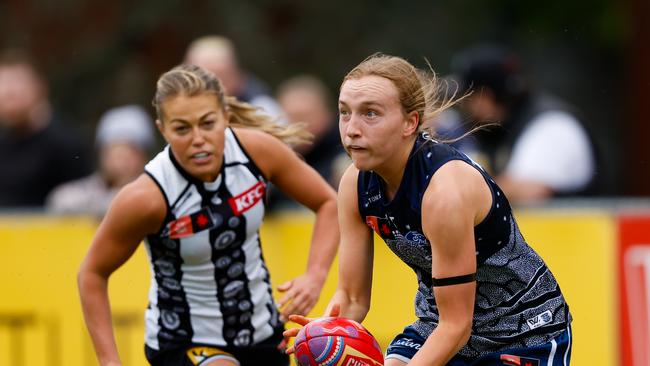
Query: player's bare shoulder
{"x":347,"y":191}
{"x":142,"y":203}
{"x":256,"y":141}
{"x":349,"y":178}
{"x":268,"y":151}
{"x":457,"y":185}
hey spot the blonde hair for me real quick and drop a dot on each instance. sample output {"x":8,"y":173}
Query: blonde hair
{"x":191,"y":80}
{"x":418,"y":90}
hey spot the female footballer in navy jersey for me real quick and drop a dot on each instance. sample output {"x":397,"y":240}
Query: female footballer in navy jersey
{"x":484,"y":296}
{"x":198,"y":208}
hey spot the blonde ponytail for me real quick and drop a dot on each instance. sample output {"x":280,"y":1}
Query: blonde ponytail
{"x":192,"y":80}
{"x":245,"y":115}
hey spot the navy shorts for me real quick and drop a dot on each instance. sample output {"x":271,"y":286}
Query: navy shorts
{"x":557,"y":352}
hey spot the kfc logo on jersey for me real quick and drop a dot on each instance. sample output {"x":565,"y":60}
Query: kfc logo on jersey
{"x":247,"y":199}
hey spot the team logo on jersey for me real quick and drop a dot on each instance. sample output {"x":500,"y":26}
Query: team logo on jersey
{"x":511,"y":360}
{"x":247,"y":199}
{"x":416,"y":237}
{"x":191,"y":224}
{"x":170,"y":320}
{"x":202,"y":355}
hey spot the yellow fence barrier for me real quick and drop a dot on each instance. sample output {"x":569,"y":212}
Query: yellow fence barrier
{"x":41,"y":321}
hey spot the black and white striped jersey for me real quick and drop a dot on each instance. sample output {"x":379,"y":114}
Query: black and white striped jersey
{"x":210,"y":284}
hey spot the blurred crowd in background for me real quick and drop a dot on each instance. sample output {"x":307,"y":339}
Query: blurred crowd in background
{"x":556,"y":92}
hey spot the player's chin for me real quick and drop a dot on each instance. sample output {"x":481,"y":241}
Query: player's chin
{"x":361,"y":163}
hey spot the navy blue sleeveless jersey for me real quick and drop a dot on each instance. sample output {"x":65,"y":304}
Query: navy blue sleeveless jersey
{"x":518,"y":301}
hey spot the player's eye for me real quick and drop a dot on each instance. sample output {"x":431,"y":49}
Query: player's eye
{"x":208,"y":124}
{"x":181,"y":130}
{"x":371,"y":113}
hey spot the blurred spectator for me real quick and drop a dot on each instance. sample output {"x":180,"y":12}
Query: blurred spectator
{"x":37,"y":151}
{"x":538,"y":148}
{"x":123,"y":141}
{"x":450,"y":127}
{"x":305,"y":99}
{"x":217,"y":54}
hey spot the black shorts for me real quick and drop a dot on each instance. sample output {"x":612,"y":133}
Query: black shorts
{"x":264,"y":353}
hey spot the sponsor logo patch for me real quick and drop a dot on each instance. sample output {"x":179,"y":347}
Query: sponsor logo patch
{"x":355,"y":361}
{"x":379,"y":225}
{"x":191,"y":224}
{"x":408,"y":342}
{"x":540,"y":320}
{"x":247,"y":199}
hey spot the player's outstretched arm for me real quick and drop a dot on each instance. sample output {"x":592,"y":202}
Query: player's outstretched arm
{"x":352,"y":297}
{"x":456,"y":200}
{"x":298,"y":180}
{"x":137,"y":210}
{"x":356,"y":253}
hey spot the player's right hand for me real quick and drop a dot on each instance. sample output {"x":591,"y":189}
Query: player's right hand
{"x":334,"y":311}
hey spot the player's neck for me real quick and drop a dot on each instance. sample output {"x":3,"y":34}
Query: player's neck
{"x":392,"y":171}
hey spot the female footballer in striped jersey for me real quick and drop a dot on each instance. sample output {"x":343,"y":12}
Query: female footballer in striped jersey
{"x":198,"y":208}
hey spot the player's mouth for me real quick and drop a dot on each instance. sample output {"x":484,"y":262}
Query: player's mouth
{"x":355,"y":148}
{"x":202,"y":157}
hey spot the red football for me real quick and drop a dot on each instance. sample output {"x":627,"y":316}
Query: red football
{"x":333,"y":341}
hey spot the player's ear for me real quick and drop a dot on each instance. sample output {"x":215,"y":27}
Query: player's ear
{"x":411,"y":123}
{"x":160,"y":126}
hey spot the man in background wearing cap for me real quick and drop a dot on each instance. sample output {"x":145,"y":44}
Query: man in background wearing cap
{"x":124,"y":139}
{"x":537,"y":149}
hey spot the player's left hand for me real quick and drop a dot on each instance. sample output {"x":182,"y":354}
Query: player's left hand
{"x":300,"y":295}
{"x":334,"y":311}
